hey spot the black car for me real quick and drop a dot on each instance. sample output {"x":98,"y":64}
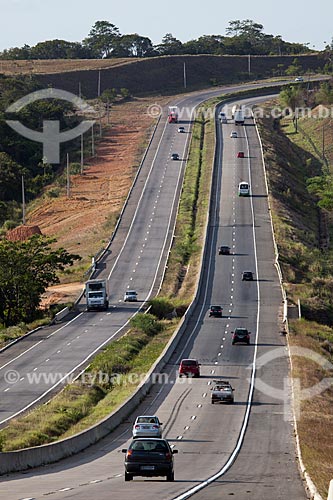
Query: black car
{"x":215,"y":311}
{"x":247,"y":276}
{"x":149,"y":457}
{"x":175,"y":156}
{"x":224,"y":250}
{"x":241,"y":335}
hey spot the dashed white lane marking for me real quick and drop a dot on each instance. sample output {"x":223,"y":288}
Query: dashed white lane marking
{"x":216,"y":363}
{"x":221,"y":346}
{"x":179,"y":437}
{"x":35,"y":369}
{"x":22,"y":378}
{"x":6,"y":389}
{"x":220,"y":354}
{"x":212,"y":371}
{"x":209,"y":382}
{"x":131,"y":279}
{"x":118,"y":475}
{"x":133,"y":270}
{"x":227,"y":326}
{"x":69,"y":343}
{"x":193,"y":417}
{"x":223,"y":338}
{"x":186,"y":427}
{"x":66,"y":489}
{"x":199,"y":405}
{"x":47,"y":360}
{"x":204,"y":395}
{"x":58,"y":352}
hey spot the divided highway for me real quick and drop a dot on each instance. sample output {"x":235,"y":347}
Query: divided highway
{"x":207,"y":436}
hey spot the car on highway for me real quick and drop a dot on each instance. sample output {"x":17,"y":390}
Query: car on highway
{"x":299,"y":79}
{"x":175,"y":156}
{"x":215,"y":311}
{"x":189,"y":368}
{"x":243,"y":189}
{"x":181,"y":130}
{"x":241,"y":335}
{"x":149,"y":457}
{"x":147,"y":426}
{"x":233,"y":134}
{"x":247,"y":276}
{"x":130,"y":296}
{"x":222,"y":392}
{"x":240,"y":154}
{"x":224,"y":250}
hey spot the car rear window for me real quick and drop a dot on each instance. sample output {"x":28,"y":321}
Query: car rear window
{"x":189,"y":362}
{"x":149,"y":445}
{"x":146,"y":420}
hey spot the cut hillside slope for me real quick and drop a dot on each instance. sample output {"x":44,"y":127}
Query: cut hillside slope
{"x":157,"y":74}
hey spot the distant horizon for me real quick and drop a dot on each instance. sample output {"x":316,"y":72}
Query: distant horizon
{"x":34,"y":21}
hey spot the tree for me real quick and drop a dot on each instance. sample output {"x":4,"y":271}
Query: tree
{"x":169,"y":46}
{"x":133,"y":46}
{"x":102,"y":39}
{"x":27,"y":268}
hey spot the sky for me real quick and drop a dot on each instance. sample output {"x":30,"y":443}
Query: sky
{"x":31,"y":21}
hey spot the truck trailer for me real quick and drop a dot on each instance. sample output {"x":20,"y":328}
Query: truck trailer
{"x":173,"y":114}
{"x":96,"y":295}
{"x":239,"y":117}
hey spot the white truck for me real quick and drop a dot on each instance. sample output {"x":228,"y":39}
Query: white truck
{"x":239,"y":117}
{"x":96,"y":294}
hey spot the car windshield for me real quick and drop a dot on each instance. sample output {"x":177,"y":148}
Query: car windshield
{"x":241,"y":331}
{"x":216,"y":308}
{"x":189,"y":362}
{"x":244,"y":186}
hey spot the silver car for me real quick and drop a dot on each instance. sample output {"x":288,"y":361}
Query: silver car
{"x":147,"y":426}
{"x":130,"y":296}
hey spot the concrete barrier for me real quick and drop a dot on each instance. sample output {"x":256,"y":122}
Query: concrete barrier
{"x":61,"y":314}
{"x":330,"y":491}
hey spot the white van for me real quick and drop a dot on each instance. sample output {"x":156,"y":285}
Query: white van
{"x":243,"y":189}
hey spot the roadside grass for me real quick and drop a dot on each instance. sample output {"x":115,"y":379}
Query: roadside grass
{"x":308,"y":273}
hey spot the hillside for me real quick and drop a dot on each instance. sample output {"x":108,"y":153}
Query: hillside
{"x":157,"y":74}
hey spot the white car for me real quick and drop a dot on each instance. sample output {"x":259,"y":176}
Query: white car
{"x":233,"y":134}
{"x":299,"y":79}
{"x":130,"y":296}
{"x":181,"y":130}
{"x":147,"y":426}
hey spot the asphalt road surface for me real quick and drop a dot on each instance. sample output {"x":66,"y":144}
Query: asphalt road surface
{"x":247,"y":447}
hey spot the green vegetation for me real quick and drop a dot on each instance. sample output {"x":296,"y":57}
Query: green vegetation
{"x":105,"y":40}
{"x":26,"y":269}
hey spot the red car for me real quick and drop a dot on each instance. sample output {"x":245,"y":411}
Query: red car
{"x":240,"y":154}
{"x":189,"y":368}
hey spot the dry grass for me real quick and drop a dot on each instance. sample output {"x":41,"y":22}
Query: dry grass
{"x":316,"y":420}
{"x":48,"y":66}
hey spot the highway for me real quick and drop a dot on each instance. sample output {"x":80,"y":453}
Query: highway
{"x":255,"y":434}
{"x":33,"y":369}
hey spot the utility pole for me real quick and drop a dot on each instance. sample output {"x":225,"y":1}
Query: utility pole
{"x":185,"y":83}
{"x":68,"y":178}
{"x":81,"y":154}
{"x":249,"y":64}
{"x":99,"y":84}
{"x":323,"y":144}
{"x":92,"y":141}
{"x":80,"y":94}
{"x":23,"y":202}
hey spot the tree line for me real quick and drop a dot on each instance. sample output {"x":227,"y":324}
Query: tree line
{"x":105,"y":40}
